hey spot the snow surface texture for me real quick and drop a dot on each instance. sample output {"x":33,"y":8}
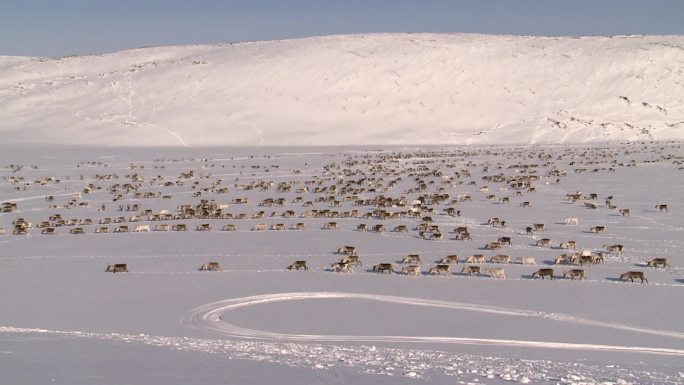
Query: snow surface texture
{"x":356,"y":89}
{"x":65,"y":320}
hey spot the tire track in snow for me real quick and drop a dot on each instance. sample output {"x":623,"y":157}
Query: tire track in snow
{"x":210,"y":318}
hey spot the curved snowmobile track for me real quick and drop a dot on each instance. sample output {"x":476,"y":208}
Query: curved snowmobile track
{"x":212,"y":317}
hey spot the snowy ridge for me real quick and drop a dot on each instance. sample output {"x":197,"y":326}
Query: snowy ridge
{"x":354,"y":89}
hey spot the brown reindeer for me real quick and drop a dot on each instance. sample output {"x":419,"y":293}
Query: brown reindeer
{"x":579,"y":273}
{"x":411,"y":258}
{"x":117,"y":268}
{"x":633,"y":274}
{"x":493,"y":246}
{"x":383,"y":267}
{"x":541,"y":273}
{"x":296,"y":265}
{"x":331,"y":226}
{"x":210,"y":266}
{"x":470,"y":270}
{"x":440,"y":269}
{"x":544,"y":242}
{"x":598,"y":229}
{"x":655,"y":262}
{"x":449,"y":259}
{"x":505,"y":240}
{"x":661,"y":207}
{"x":352,"y":259}
{"x":615,"y":249}
{"x":349,"y":250}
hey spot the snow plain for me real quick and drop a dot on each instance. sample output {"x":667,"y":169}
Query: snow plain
{"x":65,"y":320}
{"x":376,"y":89}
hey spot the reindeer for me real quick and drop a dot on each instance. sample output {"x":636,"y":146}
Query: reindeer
{"x":494,"y":221}
{"x":77,"y":230}
{"x":633,"y":274}
{"x":349,"y":259}
{"x":411,"y":270}
{"x":505,"y":240}
{"x":475,"y":258}
{"x":661,"y":207}
{"x":493,"y":246}
{"x":117,"y":268}
{"x":400,"y":229}
{"x":341,"y":266}
{"x":210,"y":266}
{"x":544,"y":242}
{"x":379,"y":229}
{"x":411,"y":258}
{"x":582,"y":259}
{"x":383,"y":267}
{"x":497,"y":272}
{"x":575,"y":273}
{"x":541,"y":273}
{"x":449,"y":259}
{"x":142,"y":228}
{"x":539,"y":226}
{"x":655,"y":262}
{"x":571,"y":221}
{"x":598,"y":229}
{"x":527,"y":261}
{"x":349,"y":250}
{"x":624,"y":212}
{"x":362,"y":227}
{"x":615,"y":249}
{"x":331,"y":226}
{"x":562,"y":259}
{"x":470,"y":270}
{"x":568,"y":245}
{"x":229,"y":227}
{"x":47,"y":230}
{"x":529,"y":230}
{"x":179,"y":227}
{"x":296,"y":265}
{"x":440,"y":269}
{"x":278,"y":227}
{"x":500,"y":259}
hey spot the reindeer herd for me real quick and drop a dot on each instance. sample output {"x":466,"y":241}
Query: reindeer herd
{"x":411,"y":265}
{"x":427,"y":195}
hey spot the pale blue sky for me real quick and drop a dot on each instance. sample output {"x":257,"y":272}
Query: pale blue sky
{"x":64,"y":27}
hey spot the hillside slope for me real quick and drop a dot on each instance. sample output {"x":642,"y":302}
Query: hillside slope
{"x":353,"y":89}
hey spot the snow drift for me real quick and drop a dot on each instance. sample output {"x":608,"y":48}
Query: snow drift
{"x":354,"y":89}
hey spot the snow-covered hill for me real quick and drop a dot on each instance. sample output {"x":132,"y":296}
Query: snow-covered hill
{"x":354,"y":89}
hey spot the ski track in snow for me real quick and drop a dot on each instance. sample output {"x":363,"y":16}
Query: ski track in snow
{"x":210,"y":317}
